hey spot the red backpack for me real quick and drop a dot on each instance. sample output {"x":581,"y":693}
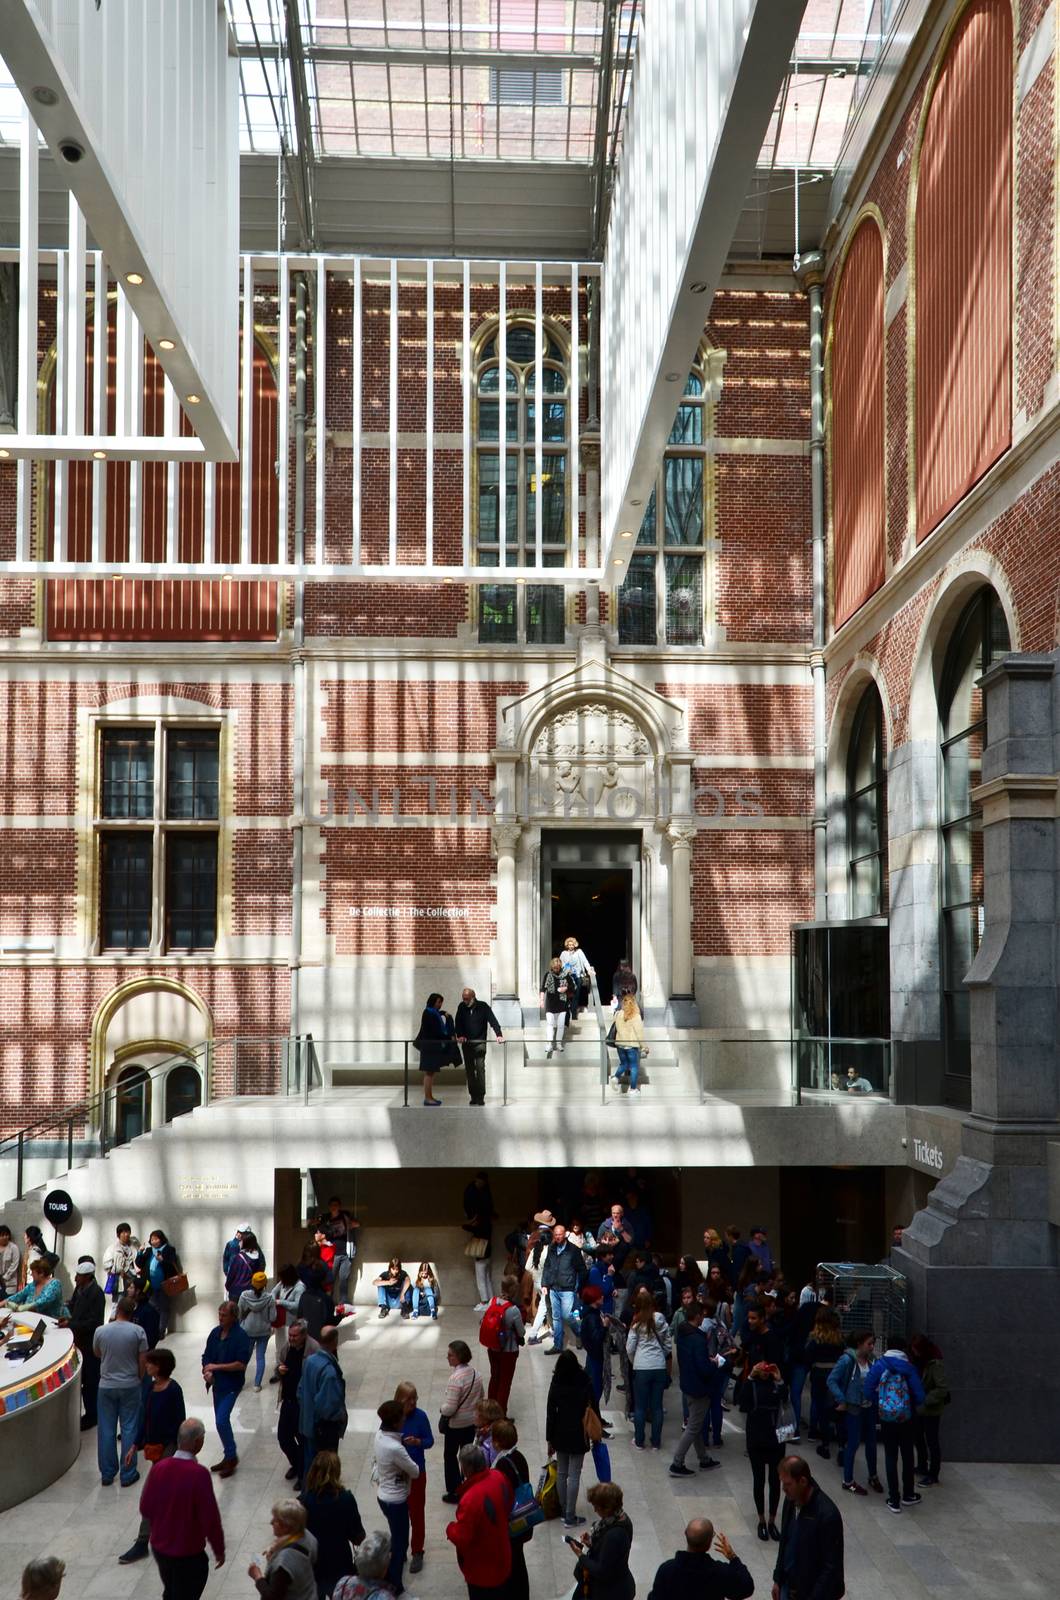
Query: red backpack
{"x":491,"y":1328}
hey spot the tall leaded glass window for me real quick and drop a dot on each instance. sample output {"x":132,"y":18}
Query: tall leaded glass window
{"x":514,"y":612}
{"x":867,"y":810}
{"x":157,"y":837}
{"x":980,"y":638}
{"x":661,"y":598}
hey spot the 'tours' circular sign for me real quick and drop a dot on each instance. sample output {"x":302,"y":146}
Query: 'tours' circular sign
{"x":58,"y":1208}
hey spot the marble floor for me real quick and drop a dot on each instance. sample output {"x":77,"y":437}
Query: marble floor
{"x":985,"y":1531}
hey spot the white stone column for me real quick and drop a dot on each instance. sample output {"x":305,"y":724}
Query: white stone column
{"x":681,"y":835}
{"x":505,"y":842}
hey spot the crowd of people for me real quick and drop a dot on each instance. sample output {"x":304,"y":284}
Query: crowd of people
{"x":722,"y":1329}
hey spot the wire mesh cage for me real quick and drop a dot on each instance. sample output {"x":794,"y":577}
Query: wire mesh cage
{"x":865,"y":1296}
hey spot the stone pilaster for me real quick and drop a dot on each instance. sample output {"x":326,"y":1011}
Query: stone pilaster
{"x":985,"y":1245}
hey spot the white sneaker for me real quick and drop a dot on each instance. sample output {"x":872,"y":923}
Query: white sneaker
{"x":633,"y":1092}
{"x":616,"y":1084}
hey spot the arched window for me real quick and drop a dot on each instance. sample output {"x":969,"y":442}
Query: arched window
{"x":856,"y":395}
{"x":963,"y":258}
{"x":867,"y":809}
{"x":980,"y":638}
{"x":513,"y":611}
{"x":183,"y":1091}
{"x":131,"y":1102}
{"x":661,"y":598}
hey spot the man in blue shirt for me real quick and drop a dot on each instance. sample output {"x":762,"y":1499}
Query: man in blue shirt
{"x":224,"y":1365}
{"x":322,"y":1398}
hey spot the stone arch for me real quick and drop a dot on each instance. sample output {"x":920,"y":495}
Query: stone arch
{"x":974,"y":571}
{"x":149,"y":1015}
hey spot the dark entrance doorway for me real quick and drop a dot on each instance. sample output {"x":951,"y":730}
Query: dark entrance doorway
{"x":591,"y":889}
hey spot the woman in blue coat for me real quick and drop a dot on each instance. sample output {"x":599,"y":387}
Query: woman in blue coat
{"x":434,"y":1040}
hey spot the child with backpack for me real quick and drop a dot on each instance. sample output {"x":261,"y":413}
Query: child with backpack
{"x":894,"y":1383}
{"x":501,"y":1334}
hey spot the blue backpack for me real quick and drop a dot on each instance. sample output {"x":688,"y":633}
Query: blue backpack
{"x":895,"y":1400}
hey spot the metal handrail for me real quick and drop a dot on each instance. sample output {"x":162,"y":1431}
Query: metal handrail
{"x":594,"y":992}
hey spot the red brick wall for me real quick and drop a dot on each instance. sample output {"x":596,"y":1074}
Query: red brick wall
{"x":261,"y":881}
{"x":765,"y":390}
{"x":747,"y":718}
{"x":412,"y":715}
{"x":48,"y":1015}
{"x":430,"y":869}
{"x":38,"y":881}
{"x":748,"y":886}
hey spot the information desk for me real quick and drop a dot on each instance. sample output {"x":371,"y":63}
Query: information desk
{"x":40,"y":1409}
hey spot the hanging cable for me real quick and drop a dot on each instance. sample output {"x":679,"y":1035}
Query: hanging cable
{"x":452,"y":131}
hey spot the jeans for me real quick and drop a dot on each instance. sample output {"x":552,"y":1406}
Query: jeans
{"x":555,"y":1022}
{"x":502,"y":1371}
{"x":117,"y":1406}
{"x":568,"y":1477}
{"x":861,"y":1429}
{"x":89,"y":1385}
{"x":484,"y":1280}
{"x":223,"y":1406}
{"x":763,"y":1461}
{"x":898,"y":1440}
{"x":719,"y":1384}
{"x":563,"y":1310}
{"x":698,"y":1407}
{"x":475,"y":1070}
{"x":343,"y":1266}
{"x":628,"y":1062}
{"x":648,"y":1386}
{"x":928,"y":1454}
{"x":183,"y":1577}
{"x":144,"y":1532}
{"x":594,"y":1371}
{"x":428,"y":1297}
{"x":454,"y":1438}
{"x":259,"y":1345}
{"x":417,"y":1506}
{"x":396,"y":1513}
{"x":327,"y":1435}
{"x":389,"y":1297}
{"x":824,"y":1406}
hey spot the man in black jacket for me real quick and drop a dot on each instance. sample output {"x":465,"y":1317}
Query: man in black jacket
{"x":562,"y":1276}
{"x":473,"y":1017}
{"x":810,"y":1555}
{"x":299,"y":1346}
{"x":88,"y":1311}
{"x":693,"y":1574}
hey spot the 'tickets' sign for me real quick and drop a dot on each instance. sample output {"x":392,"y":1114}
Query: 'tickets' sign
{"x":58,"y":1208}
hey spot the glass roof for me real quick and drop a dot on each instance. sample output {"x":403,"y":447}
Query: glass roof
{"x":837,"y":49}
{"x":425,"y":79}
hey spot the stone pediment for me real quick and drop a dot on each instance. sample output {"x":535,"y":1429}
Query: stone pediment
{"x":592,"y":711}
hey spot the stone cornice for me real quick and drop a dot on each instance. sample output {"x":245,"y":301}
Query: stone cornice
{"x":1023,"y":796}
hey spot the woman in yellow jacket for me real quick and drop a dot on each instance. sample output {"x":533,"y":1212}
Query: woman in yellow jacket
{"x":629,"y":1036}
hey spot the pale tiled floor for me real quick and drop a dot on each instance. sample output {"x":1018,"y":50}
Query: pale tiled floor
{"x":986,"y":1531}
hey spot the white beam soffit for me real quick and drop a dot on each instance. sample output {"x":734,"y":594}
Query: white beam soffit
{"x":138,"y":104}
{"x":704,"y":86}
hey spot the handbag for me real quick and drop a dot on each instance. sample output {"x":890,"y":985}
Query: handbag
{"x":525,"y":1514}
{"x":175,"y":1285}
{"x":547,"y":1494}
{"x":154,"y":1452}
{"x":592,"y":1427}
{"x":279,"y":1316}
{"x":476,"y":1249}
{"x":111,"y":1283}
{"x":611,"y":1039}
{"x":787,"y":1428}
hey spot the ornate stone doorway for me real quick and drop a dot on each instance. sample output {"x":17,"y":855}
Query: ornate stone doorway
{"x":591,"y":888}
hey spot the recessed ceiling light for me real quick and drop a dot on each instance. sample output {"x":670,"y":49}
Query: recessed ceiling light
{"x":636,"y":502}
{"x":167,"y":344}
{"x":226,"y":577}
{"x":447,"y":580}
{"x":135,"y":278}
{"x":625,"y":536}
{"x":193,"y":399}
{"x":45,"y":96}
{"x":99,"y":455}
{"x":618,"y":563}
{"x":4,"y":454}
{"x":673,"y":377}
{"x":697,"y":288}
{"x":520,"y":580}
